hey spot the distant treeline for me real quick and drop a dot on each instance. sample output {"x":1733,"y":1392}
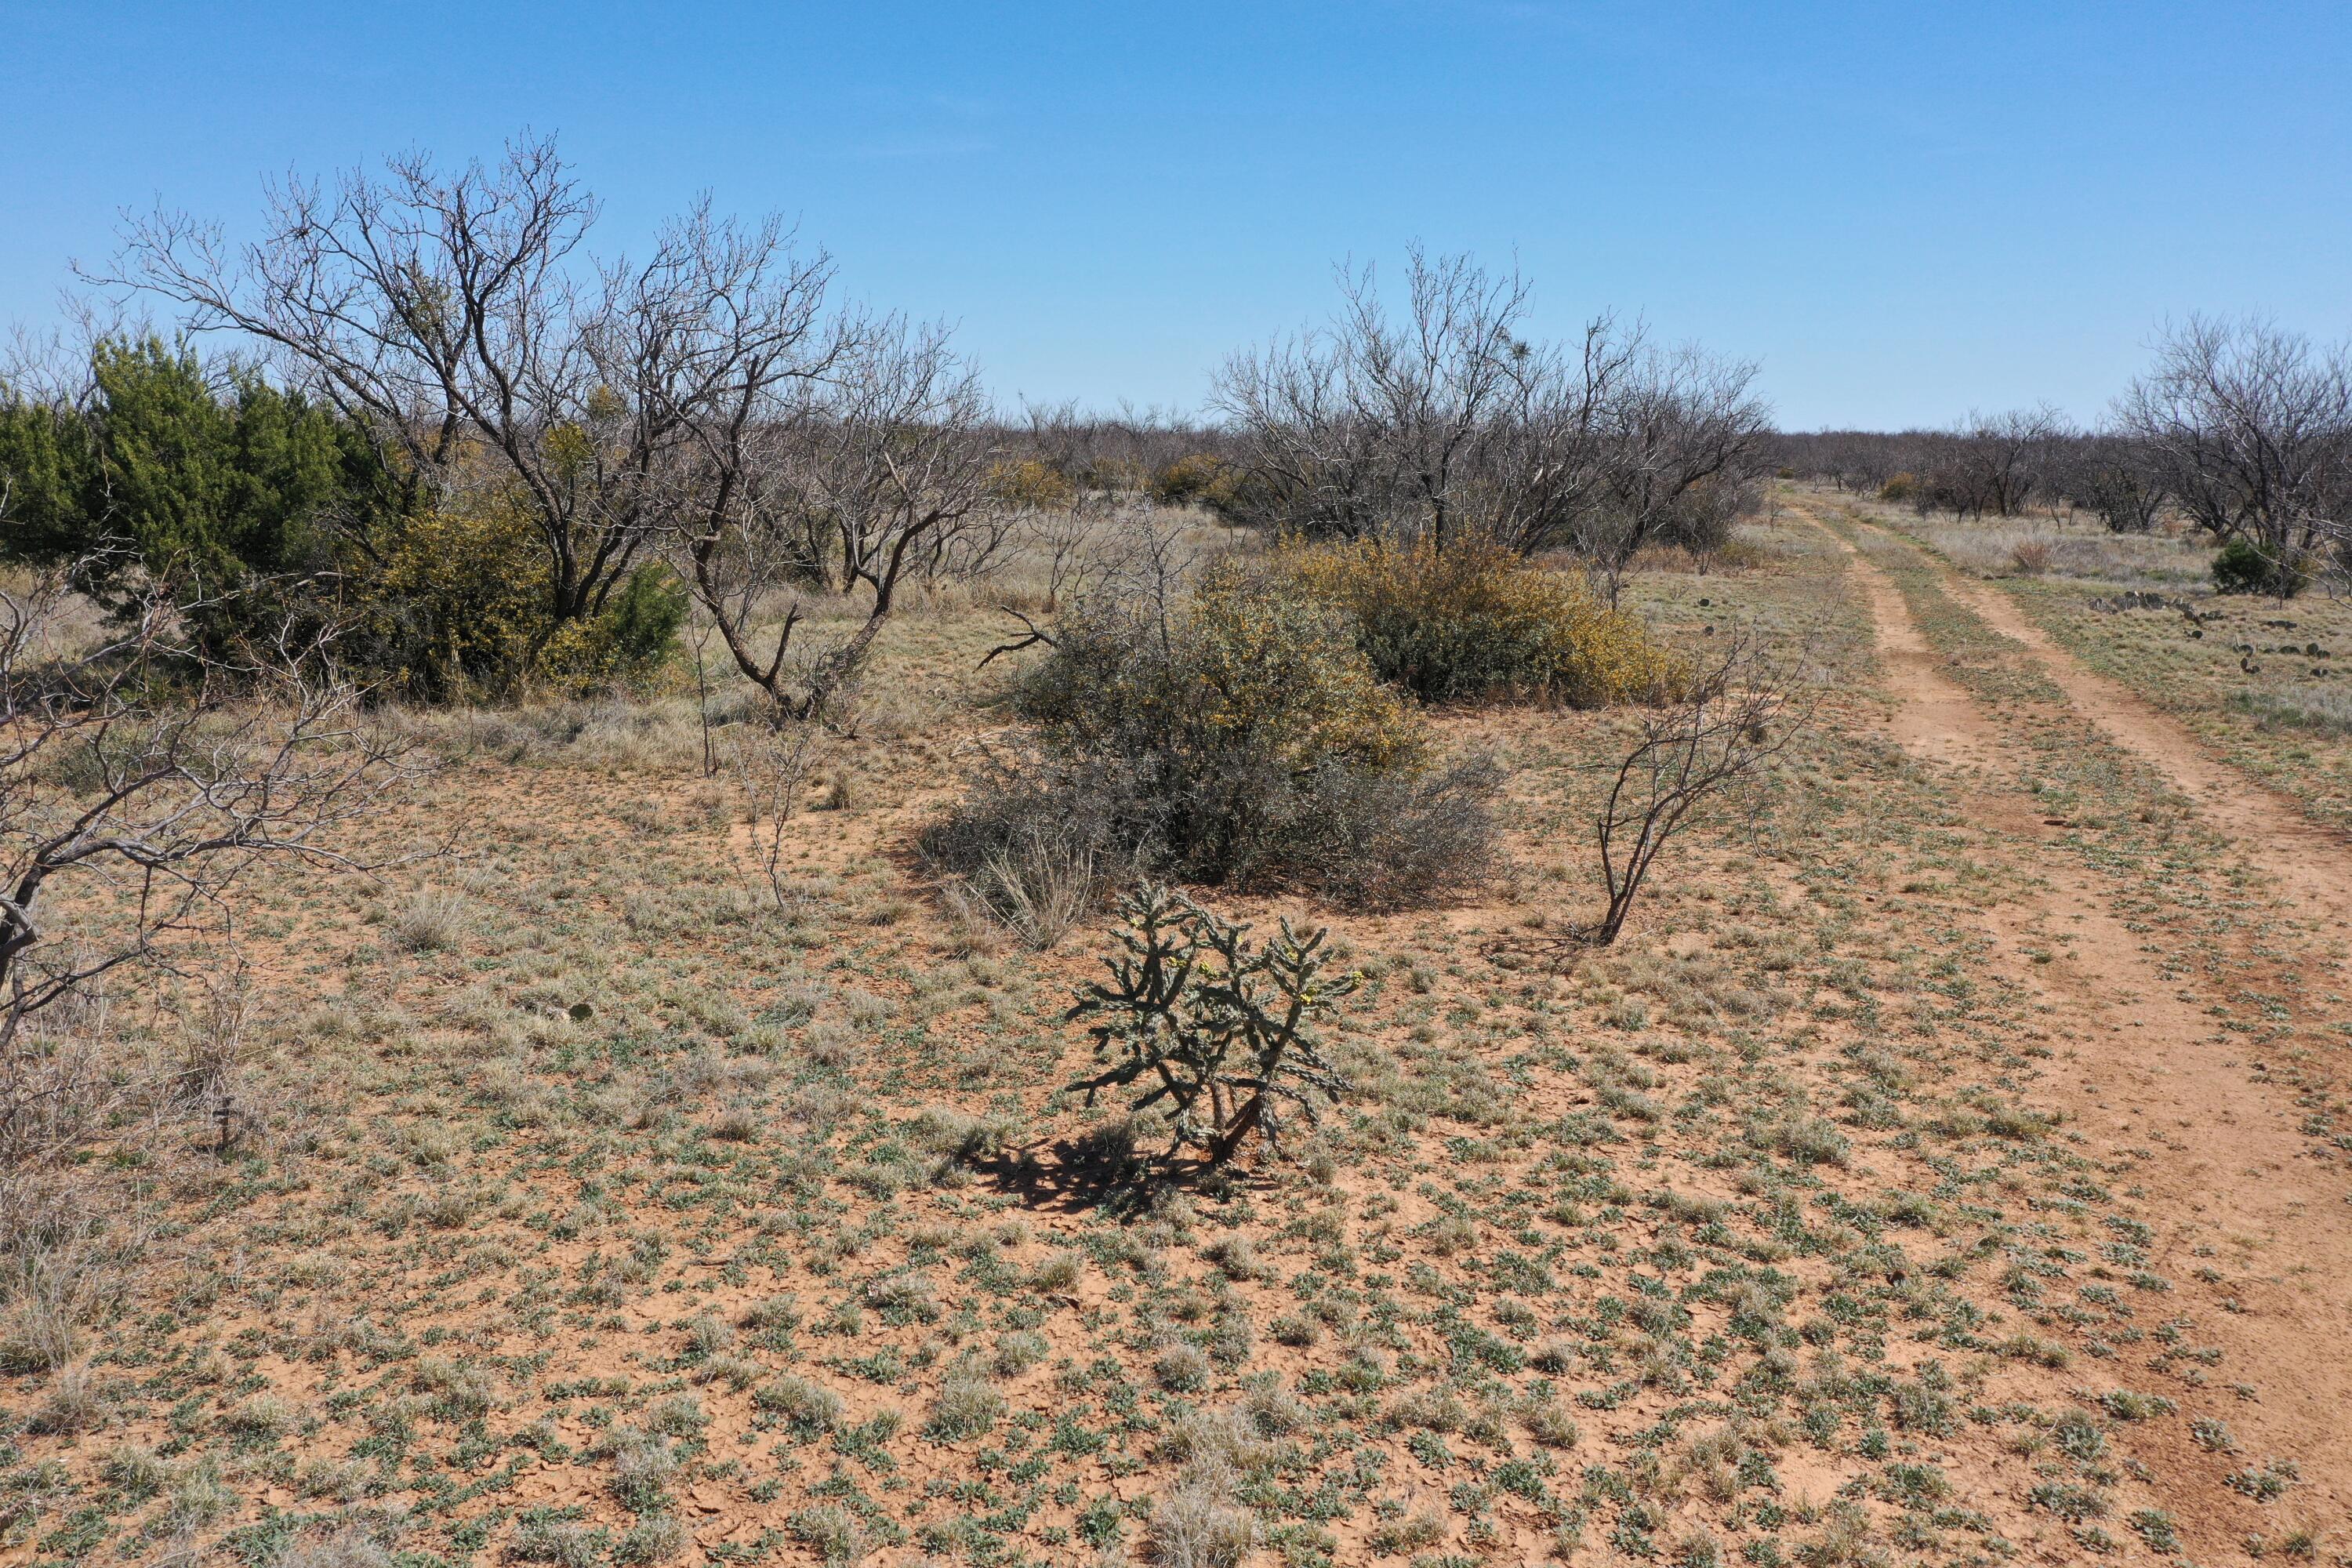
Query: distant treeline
{"x":2240,"y":428}
{"x":2000,"y":466}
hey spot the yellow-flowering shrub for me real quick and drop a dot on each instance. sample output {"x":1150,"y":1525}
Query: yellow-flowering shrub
{"x":623,"y":642}
{"x":456,"y":604}
{"x":1185,"y":480}
{"x":1477,"y":622}
{"x":1031,"y":483}
{"x":1122,"y":476}
{"x":1278,"y":673}
{"x":1204,"y":479}
{"x":1198,"y":478}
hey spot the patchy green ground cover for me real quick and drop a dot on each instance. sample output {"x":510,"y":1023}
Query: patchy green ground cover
{"x":594,"y":1208}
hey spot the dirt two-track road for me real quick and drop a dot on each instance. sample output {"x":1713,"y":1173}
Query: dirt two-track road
{"x":2225,"y":1154}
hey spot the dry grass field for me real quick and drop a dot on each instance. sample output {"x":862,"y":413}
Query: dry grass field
{"x":1948,"y":1165}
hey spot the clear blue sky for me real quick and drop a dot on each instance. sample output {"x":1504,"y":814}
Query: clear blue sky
{"x":1902,"y":209}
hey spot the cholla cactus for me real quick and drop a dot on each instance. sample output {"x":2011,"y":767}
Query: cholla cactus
{"x":1219,"y":1035}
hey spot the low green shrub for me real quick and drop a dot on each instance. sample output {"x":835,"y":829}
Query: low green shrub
{"x":262,"y":517}
{"x":2242,"y":566}
{"x":1245,"y":741}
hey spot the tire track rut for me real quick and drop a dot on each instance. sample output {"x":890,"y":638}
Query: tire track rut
{"x":2142,"y":1067}
{"x":2309,"y":863}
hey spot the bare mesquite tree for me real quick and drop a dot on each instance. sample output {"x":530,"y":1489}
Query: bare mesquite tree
{"x":1134,"y":562}
{"x":1860,"y":461}
{"x":772,"y":768}
{"x":1985,"y":463}
{"x":1107,"y":543}
{"x":878,"y":476}
{"x":1443,"y":421}
{"x":899,"y":459}
{"x":2248,"y":428}
{"x":2009,"y":456}
{"x":1681,"y":433}
{"x":2112,"y":477}
{"x":1991,"y":464}
{"x":125,"y":816}
{"x":1066,"y":541}
{"x":1736,"y":714}
{"x":459,"y":315}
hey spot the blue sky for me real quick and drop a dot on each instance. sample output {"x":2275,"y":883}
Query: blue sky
{"x":1904,"y":210}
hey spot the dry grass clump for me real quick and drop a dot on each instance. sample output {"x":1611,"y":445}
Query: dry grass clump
{"x":1037,"y":882}
{"x":430,"y":920}
{"x":1200,"y":1521}
{"x":1478,"y":622}
{"x":2326,"y":710}
{"x":968,"y":1404}
{"x":1197,"y":1524}
{"x":73,"y":1403}
{"x":347,"y":1547}
{"x":802,"y":1404}
{"x":45,"y":1290}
